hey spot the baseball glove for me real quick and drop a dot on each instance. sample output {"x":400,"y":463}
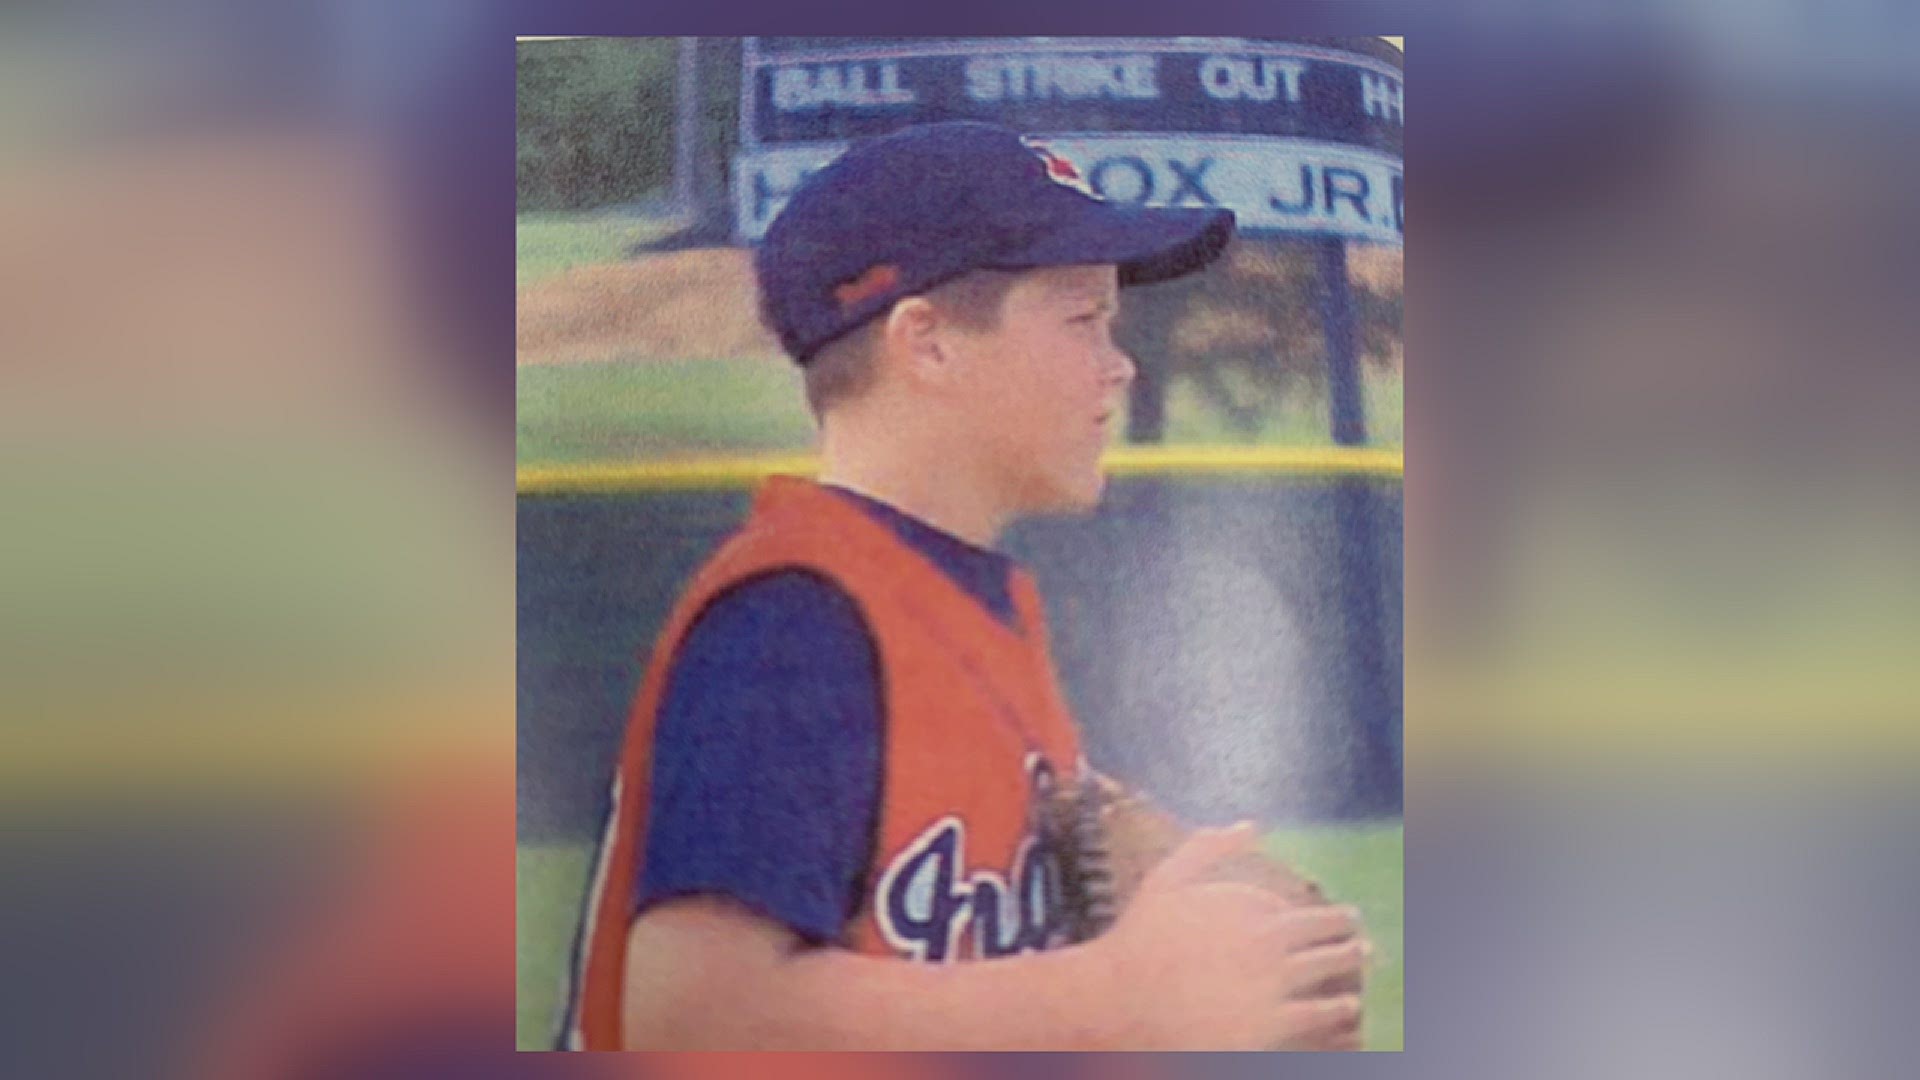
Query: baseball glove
{"x":1108,"y":838}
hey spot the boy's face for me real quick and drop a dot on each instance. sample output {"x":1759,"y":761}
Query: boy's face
{"x":1046,"y":386}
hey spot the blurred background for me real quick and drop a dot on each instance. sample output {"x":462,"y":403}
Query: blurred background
{"x":256,"y":701}
{"x":1228,"y":625}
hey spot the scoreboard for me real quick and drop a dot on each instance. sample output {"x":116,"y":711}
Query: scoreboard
{"x":1298,"y":137}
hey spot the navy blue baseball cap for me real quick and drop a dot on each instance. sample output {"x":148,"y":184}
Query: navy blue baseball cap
{"x":902,"y":213}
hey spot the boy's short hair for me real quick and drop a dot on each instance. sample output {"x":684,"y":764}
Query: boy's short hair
{"x":844,"y":369}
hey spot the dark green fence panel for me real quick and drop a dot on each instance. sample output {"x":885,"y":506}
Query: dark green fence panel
{"x":1200,"y":626}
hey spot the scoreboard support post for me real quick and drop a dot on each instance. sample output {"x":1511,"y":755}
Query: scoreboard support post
{"x":1363,"y":639}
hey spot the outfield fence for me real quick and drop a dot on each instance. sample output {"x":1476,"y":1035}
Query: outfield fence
{"x":1227,"y":624}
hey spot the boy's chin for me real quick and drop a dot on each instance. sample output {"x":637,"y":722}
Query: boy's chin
{"x":1080,"y":497}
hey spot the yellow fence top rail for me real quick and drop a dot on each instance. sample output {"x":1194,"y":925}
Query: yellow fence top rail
{"x":614,"y":477}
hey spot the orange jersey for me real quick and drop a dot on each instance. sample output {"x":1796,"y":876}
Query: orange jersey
{"x":975,"y":726}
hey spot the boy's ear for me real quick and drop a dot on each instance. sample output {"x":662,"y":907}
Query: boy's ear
{"x":915,"y":340}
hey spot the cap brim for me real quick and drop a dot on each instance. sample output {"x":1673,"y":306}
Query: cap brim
{"x":1148,"y":244}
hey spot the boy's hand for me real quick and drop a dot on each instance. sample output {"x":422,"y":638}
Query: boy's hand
{"x":1213,"y":965}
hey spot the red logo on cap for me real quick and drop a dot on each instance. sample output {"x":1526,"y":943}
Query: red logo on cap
{"x":1059,"y":169}
{"x":872,"y":282}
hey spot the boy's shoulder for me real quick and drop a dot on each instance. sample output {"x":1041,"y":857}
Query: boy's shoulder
{"x":798,"y":526}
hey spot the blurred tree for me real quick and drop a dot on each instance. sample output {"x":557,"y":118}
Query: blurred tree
{"x":1246,"y":334}
{"x":595,"y":121}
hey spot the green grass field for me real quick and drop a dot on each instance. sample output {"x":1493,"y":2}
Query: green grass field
{"x":547,"y":244}
{"x":1360,"y":864}
{"x":550,"y":881}
{"x":620,"y":411}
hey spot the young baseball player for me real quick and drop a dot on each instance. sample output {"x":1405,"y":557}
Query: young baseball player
{"x":827,"y":827}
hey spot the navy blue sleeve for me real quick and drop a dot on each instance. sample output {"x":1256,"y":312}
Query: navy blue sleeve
{"x":766,"y":757}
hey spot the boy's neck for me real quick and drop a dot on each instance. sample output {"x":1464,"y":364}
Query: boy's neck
{"x":913,"y":474}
